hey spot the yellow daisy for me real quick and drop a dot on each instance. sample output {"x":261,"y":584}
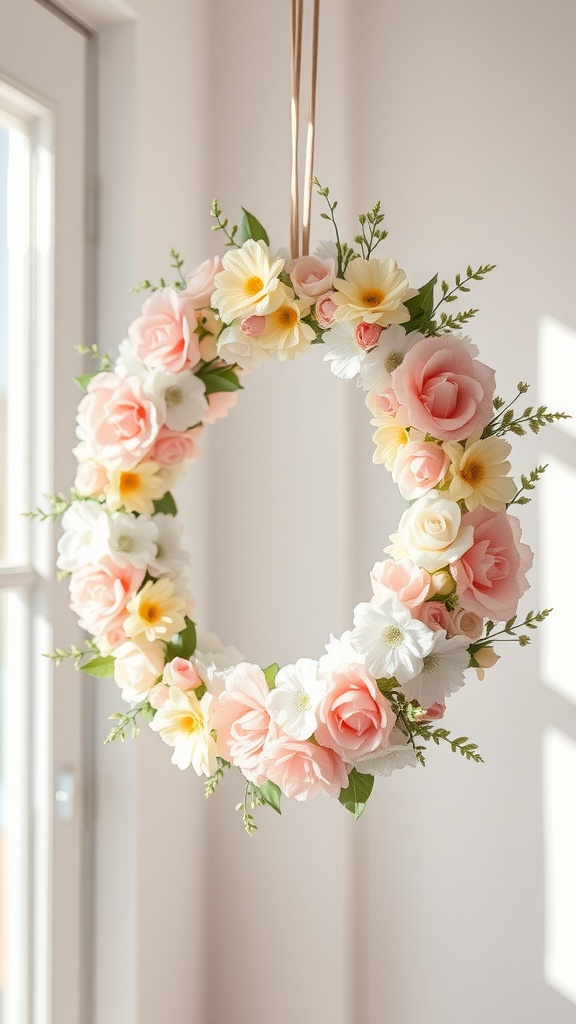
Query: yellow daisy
{"x":135,"y":489}
{"x":373,"y":291}
{"x":250,"y":284}
{"x":155,"y":611}
{"x":285,"y":333}
{"x":479,"y":471}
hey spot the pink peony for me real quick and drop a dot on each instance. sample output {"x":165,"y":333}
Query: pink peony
{"x":419,"y":467}
{"x":435,"y":615}
{"x":119,"y":420}
{"x":325,"y":310}
{"x":181,"y":673}
{"x":491,"y":574}
{"x":354,"y":718}
{"x":312,"y":277}
{"x":444,"y":390}
{"x":410,"y":583}
{"x":99,"y":595}
{"x":242,"y":721}
{"x":219,"y":405}
{"x":163,"y":337}
{"x":366,"y":335}
{"x":200,"y":283}
{"x":303,"y":769}
{"x":174,"y":447}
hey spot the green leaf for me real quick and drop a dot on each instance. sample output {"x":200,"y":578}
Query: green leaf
{"x":250,"y":227}
{"x":420,"y":306}
{"x":167,"y":505}
{"x":356,"y":794}
{"x":270,"y":674}
{"x":84,"y":380}
{"x":220,"y":380}
{"x":183,"y":644}
{"x":271,"y":794}
{"x":100,"y":667}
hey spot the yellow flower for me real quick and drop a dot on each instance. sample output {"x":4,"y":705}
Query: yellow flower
{"x":373,"y":291}
{"x":155,"y":611}
{"x":479,"y":472}
{"x":135,"y":489}
{"x":390,"y":436}
{"x":249,"y":285}
{"x":184,"y":722}
{"x":285,"y":333}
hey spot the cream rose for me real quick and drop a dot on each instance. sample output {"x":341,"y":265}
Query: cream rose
{"x":431,"y":534}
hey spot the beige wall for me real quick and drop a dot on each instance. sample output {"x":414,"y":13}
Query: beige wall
{"x":460,"y":118}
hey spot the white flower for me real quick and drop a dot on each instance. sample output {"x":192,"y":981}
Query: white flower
{"x":180,"y":397}
{"x":214,"y":661}
{"x":138,"y":664}
{"x":185,"y":723}
{"x":327,"y":251}
{"x":127,"y":364}
{"x":480,"y":472}
{"x":373,"y":291}
{"x":442,"y":672}
{"x":171,"y":556}
{"x":84,"y":538}
{"x":285,"y":333}
{"x":341,"y":351}
{"x":155,"y":611}
{"x":233,"y":346}
{"x":131,"y":539}
{"x":249,"y":284}
{"x":392,"y":642}
{"x":379,"y":363}
{"x":298,"y":690}
{"x":430,"y":533}
{"x":339,"y":651}
{"x":399,"y":754}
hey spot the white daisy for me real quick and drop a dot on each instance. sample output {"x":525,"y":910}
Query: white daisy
{"x":84,"y":538}
{"x":327,"y":251}
{"x":180,"y":397}
{"x":127,"y":364}
{"x":249,"y":284}
{"x":339,"y":650}
{"x":373,"y":291}
{"x":285,"y":333}
{"x":131,"y":539}
{"x":442,"y":671}
{"x":171,"y":555}
{"x":392,"y":642}
{"x":342,"y":352}
{"x":378,"y":365}
{"x":298,"y":690}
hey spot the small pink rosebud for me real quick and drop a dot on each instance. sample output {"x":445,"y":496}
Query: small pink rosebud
{"x":253,"y":326}
{"x":366,"y":335}
{"x":433,"y":713}
{"x":325,"y":310}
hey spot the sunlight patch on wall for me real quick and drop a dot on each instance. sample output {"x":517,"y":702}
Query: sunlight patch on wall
{"x":559,"y":784}
{"x":557,"y":370}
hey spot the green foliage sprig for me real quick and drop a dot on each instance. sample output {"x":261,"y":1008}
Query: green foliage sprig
{"x":461,"y":285}
{"x":57,"y":505}
{"x":94,"y":352}
{"x":213,"y":780}
{"x":222,"y":224}
{"x":460,"y":745}
{"x":345,"y":252}
{"x":528,"y":484}
{"x":509,"y":631}
{"x":506,"y":421}
{"x":371,"y":236}
{"x":74,"y":653}
{"x":129,"y":721}
{"x":176,"y":264}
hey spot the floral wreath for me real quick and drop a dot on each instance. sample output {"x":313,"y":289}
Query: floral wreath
{"x":446,"y":594}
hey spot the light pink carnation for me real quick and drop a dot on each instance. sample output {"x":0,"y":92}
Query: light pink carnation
{"x":312,"y":277}
{"x":444,"y":390}
{"x":435,"y":615}
{"x":354,"y":718}
{"x":99,"y":595}
{"x":219,"y":405}
{"x":181,"y":673}
{"x":325,"y":310}
{"x":303,"y":769}
{"x":174,"y":447}
{"x":200,"y":283}
{"x":242,"y":721}
{"x":119,"y":420}
{"x":419,"y":467}
{"x":409,"y":582}
{"x":163,"y":337}
{"x":491,"y":574}
{"x":366,"y":335}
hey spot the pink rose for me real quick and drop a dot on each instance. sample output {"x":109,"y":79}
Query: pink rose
{"x":158,"y":695}
{"x":91,"y":479}
{"x":252,"y":326}
{"x":433,"y":714}
{"x":99,"y":594}
{"x":303,"y":769}
{"x":409,"y":582}
{"x":174,"y":447}
{"x":491,"y":574}
{"x":366,"y":335}
{"x":354,"y":718}
{"x":444,"y":390}
{"x":325,"y":310}
{"x":242,"y":721}
{"x":386,"y":403}
{"x":163,"y":337}
{"x":119,"y":420}
{"x":219,"y":405}
{"x":312,"y":277}
{"x":137,"y":667}
{"x":419,"y":466}
{"x":181,"y":673}
{"x":435,"y":615}
{"x":468,"y":624}
{"x":200,"y":283}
